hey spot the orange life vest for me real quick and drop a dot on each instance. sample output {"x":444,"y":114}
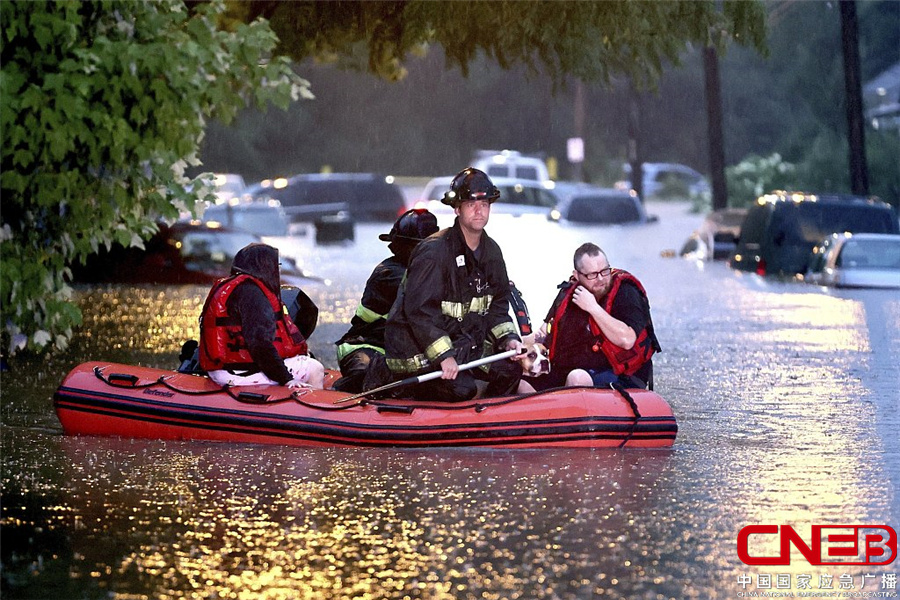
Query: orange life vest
{"x":621,"y":360}
{"x":222,"y":344}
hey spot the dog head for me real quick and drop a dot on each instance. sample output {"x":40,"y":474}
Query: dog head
{"x":536,"y":361}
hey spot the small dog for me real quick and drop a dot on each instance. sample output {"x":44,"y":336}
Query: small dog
{"x":536,"y":361}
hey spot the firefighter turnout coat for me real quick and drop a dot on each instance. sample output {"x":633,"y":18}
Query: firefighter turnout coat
{"x":453,"y":302}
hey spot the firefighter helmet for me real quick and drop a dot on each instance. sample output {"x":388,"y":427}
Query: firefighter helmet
{"x":471,"y":184}
{"x":413,"y":226}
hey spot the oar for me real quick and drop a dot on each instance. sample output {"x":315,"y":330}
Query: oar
{"x":429,"y":376}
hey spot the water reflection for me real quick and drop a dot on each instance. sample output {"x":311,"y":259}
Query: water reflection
{"x":786,"y":397}
{"x":158,"y":318}
{"x":295,"y":523}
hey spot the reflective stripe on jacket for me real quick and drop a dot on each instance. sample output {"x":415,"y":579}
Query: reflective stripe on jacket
{"x":367,"y":325}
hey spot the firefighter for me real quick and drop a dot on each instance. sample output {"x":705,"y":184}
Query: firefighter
{"x":453,"y":306}
{"x":365,"y":338}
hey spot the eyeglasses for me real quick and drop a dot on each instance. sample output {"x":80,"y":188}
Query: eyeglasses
{"x":592,"y":276}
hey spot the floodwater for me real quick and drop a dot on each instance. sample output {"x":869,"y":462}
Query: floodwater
{"x":786,"y":397}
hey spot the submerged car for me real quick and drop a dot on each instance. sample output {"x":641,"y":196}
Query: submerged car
{"x":667,"y":179}
{"x":511,"y":164}
{"x":868,"y":260}
{"x":781,"y":229}
{"x":717,"y":236}
{"x":261,"y":217}
{"x":310,"y":196}
{"x":582,"y":203}
{"x":182,"y":253}
{"x":228,"y":186}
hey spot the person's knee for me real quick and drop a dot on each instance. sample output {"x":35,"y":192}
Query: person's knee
{"x":316,"y":374}
{"x":356,"y":362}
{"x":525,"y":387}
{"x":447,"y":390}
{"x":504,"y":377}
{"x":579,"y":377}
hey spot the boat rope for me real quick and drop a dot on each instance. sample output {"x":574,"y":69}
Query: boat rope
{"x":477,"y":406}
{"x":637,"y":414}
{"x":128,"y":381}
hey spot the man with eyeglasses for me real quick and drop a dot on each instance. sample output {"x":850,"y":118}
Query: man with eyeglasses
{"x":599,"y":329}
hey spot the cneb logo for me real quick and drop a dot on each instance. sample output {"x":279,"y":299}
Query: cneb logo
{"x":843,"y":544}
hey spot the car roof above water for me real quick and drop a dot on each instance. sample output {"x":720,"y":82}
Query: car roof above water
{"x":824,"y":197}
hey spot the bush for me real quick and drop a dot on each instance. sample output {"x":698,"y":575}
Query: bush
{"x":755,"y":176}
{"x":882,"y":150}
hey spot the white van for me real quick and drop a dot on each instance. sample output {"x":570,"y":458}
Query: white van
{"x":510,"y":164}
{"x":518,"y":198}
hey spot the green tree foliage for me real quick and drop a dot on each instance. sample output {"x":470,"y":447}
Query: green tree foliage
{"x":103,"y":107}
{"x":589,"y":40}
{"x":794,"y":104}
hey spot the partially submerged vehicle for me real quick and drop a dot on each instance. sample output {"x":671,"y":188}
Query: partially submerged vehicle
{"x":717,"y":236}
{"x":861,"y":260}
{"x":781,"y":229}
{"x":586,"y":204}
{"x":186,"y":252}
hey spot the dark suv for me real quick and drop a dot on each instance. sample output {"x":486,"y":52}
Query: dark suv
{"x":367,"y":196}
{"x":781,"y":229}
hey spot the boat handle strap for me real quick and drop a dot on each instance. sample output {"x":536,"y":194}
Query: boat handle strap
{"x":406,"y":410}
{"x":253,"y":398}
{"x":122,"y":378}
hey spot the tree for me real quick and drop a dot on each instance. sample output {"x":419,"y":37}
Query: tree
{"x":591,"y":41}
{"x":103,"y":107}
{"x":859,"y":171}
{"x":361,"y":121}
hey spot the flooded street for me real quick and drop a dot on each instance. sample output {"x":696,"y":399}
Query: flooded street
{"x":787,"y":398}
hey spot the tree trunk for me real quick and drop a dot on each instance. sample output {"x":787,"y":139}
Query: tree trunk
{"x":859,"y":172}
{"x":635,"y":152}
{"x":714,"y":129}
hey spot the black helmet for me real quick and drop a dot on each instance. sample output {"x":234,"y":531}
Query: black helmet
{"x":412,"y":226}
{"x":471,"y":184}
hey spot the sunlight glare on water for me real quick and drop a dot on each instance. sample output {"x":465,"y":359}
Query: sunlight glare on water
{"x":329,"y":527}
{"x":785,"y":395}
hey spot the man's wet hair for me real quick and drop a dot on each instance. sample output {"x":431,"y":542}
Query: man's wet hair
{"x":589,"y":249}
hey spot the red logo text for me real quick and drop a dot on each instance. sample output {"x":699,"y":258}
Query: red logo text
{"x":828,"y":545}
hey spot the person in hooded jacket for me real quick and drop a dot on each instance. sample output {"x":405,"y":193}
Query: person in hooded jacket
{"x":247,"y":336}
{"x":364,"y":341}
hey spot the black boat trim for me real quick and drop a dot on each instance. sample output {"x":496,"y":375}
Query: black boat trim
{"x":322,"y":430}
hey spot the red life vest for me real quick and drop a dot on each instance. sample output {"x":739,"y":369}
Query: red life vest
{"x":222,"y":344}
{"x":621,"y":360}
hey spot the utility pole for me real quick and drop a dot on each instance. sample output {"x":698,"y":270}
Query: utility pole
{"x":635,"y":153}
{"x":859,"y":172}
{"x":716,"y":138}
{"x":579,"y":117}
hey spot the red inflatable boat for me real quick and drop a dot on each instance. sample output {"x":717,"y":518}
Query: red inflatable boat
{"x":109,"y":399}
